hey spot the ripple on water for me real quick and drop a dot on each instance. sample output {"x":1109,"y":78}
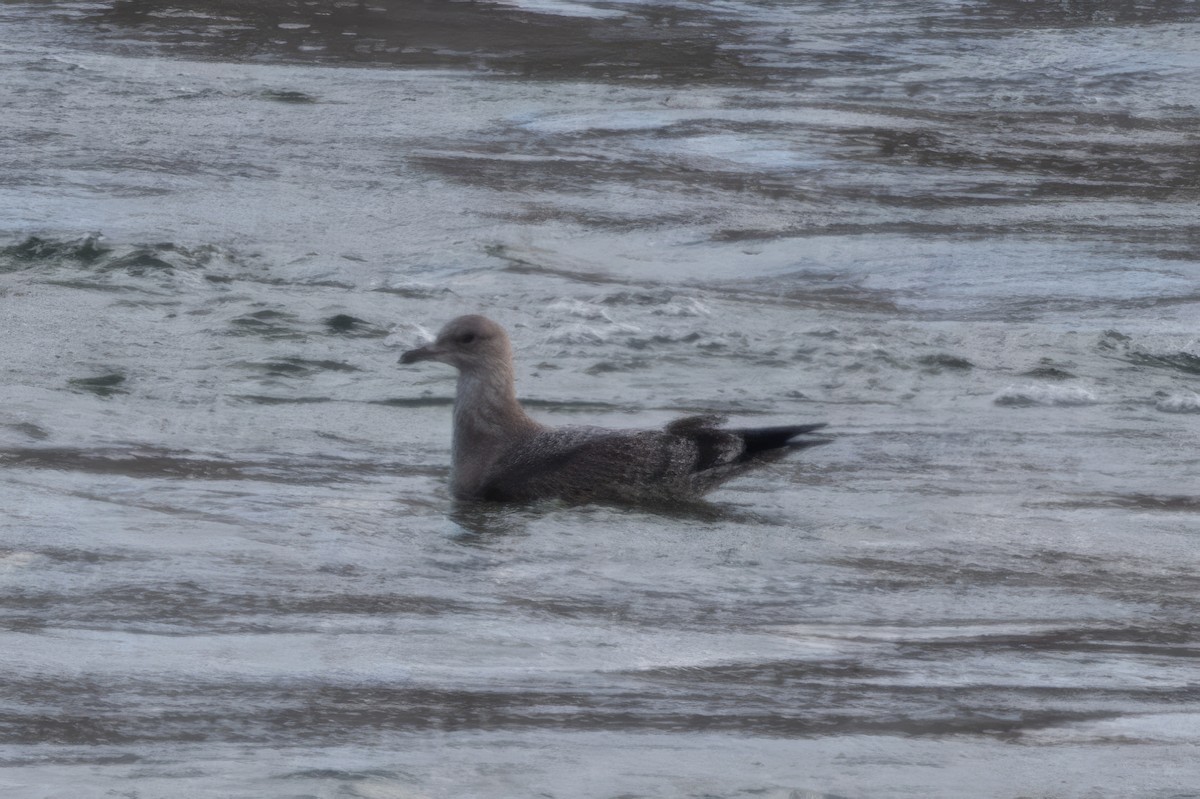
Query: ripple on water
{"x":1182,"y":402}
{"x":1023,"y":396}
{"x":913,"y":223}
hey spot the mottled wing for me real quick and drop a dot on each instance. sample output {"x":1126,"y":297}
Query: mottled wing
{"x":583,"y":463}
{"x":682,"y":462}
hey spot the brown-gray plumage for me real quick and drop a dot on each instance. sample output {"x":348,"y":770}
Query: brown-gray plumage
{"x":501,"y":454}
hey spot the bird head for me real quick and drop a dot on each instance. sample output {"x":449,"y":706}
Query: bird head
{"x":468,"y":343}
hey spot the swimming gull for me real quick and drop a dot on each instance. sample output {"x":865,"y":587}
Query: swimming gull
{"x":501,"y":454}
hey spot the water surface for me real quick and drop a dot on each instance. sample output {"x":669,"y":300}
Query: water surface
{"x":962,"y":234}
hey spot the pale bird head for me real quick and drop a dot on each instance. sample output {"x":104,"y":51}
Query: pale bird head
{"x":468,"y":343}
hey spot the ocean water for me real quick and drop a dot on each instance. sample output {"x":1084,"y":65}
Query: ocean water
{"x":963,"y":234}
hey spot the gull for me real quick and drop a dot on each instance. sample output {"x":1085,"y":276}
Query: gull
{"x":501,"y":454}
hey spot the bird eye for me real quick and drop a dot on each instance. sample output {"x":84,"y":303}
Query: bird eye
{"x":466,"y":338}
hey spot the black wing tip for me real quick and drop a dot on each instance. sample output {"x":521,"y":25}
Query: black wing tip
{"x":783,"y":432}
{"x":763,"y":439}
{"x":799,"y":430}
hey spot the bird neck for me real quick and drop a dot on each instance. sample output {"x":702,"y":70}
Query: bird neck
{"x":487,"y":415}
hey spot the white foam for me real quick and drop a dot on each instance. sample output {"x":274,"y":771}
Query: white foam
{"x":616,"y":120}
{"x":1032,"y":394}
{"x":1157,"y":727}
{"x":19,"y":559}
{"x":579,"y":309}
{"x":1184,"y":402}
{"x":683,"y":306}
{"x":588,"y":334}
{"x":409,"y":334}
{"x":751,"y":152}
{"x":564,"y":8}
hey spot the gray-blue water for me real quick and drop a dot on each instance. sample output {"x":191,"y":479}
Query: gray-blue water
{"x":964,"y":234}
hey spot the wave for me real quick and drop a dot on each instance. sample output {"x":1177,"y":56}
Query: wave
{"x":1031,"y":395}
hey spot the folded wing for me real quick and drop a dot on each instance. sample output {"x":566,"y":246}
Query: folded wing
{"x":689,"y":457}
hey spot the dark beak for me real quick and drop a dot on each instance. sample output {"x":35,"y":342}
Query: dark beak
{"x":428,"y":352}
